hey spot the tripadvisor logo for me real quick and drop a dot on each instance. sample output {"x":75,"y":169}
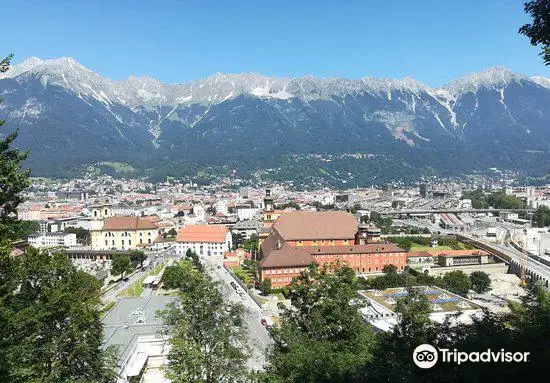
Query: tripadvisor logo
{"x":426,"y":356}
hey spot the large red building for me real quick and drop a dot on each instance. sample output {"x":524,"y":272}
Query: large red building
{"x":299,"y":238}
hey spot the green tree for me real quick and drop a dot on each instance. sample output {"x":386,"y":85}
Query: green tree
{"x":178,"y":276}
{"x":25,"y":228}
{"x":457,"y":282}
{"x":237,"y":239}
{"x":50,"y":325}
{"x":392,"y":361}
{"x":120,"y":266}
{"x":206,"y":334}
{"x":501,"y":200}
{"x":137,"y":257}
{"x":481,"y":283}
{"x":192,"y":256}
{"x":266,"y":286}
{"x":541,"y":217}
{"x":13,"y":179}
{"x":251,"y":244}
{"x":478,"y":198}
{"x":82,"y":235}
{"x":525,"y":328}
{"x":539,"y":31}
{"x":324,"y":320}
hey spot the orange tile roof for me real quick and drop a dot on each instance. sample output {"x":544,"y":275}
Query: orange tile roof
{"x":128,"y":223}
{"x":316,"y":225}
{"x":458,"y":253}
{"x":202,"y":233}
{"x":287,"y":256}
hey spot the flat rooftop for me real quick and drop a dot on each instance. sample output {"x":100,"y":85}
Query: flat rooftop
{"x":440,"y":300}
{"x":133,"y":317}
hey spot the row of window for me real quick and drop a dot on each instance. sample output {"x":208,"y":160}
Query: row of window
{"x":129,"y":242}
{"x":285,"y":271}
{"x":389,"y":255}
{"x":125,"y":234}
{"x":324,"y":243}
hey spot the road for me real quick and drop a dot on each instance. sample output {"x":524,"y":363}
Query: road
{"x":156,"y":259}
{"x":258,"y":337}
{"x":532,"y":264}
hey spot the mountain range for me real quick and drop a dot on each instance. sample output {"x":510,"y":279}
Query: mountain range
{"x":70,"y":117}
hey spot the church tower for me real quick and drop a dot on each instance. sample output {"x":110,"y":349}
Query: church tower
{"x":269,"y":209}
{"x":100,"y":213}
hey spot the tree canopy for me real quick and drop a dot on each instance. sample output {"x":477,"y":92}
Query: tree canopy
{"x":481,"y":283}
{"x":206,"y":333}
{"x":121,"y":265}
{"x":323,"y":337}
{"x":541,"y":217}
{"x":50,"y":330}
{"x":13,"y":179}
{"x":539,"y":30}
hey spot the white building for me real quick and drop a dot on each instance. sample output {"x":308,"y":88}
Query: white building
{"x":53,"y":240}
{"x":120,"y":232}
{"x":245,"y":212}
{"x":212,"y":240}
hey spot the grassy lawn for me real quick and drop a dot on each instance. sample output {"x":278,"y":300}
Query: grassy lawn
{"x":416,"y":247}
{"x":107,"y":307}
{"x":156,"y":269}
{"x":244,"y":274}
{"x":135,"y":289}
{"x":261,"y":299}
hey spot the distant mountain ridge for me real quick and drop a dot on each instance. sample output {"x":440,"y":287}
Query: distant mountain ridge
{"x":70,"y":116}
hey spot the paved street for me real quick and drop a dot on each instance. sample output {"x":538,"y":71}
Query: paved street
{"x":155,"y":258}
{"x":258,"y":337}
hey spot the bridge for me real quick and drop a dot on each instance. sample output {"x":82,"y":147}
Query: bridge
{"x":536,"y":269}
{"x":410,"y":212}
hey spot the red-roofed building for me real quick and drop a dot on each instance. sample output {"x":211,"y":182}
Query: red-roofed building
{"x":204,"y":239}
{"x":299,"y":238}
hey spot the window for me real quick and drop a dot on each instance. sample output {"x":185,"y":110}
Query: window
{"x":113,"y":242}
{"x":140,"y":240}
{"x":122,"y":242}
{"x":129,"y":242}
{"x":106,"y":243}
{"x":149,"y":240}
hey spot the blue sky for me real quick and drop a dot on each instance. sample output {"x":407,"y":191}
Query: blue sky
{"x":177,"y":41}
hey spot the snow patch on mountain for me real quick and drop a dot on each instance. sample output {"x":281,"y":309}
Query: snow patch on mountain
{"x":542,"y":81}
{"x":496,"y":78}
